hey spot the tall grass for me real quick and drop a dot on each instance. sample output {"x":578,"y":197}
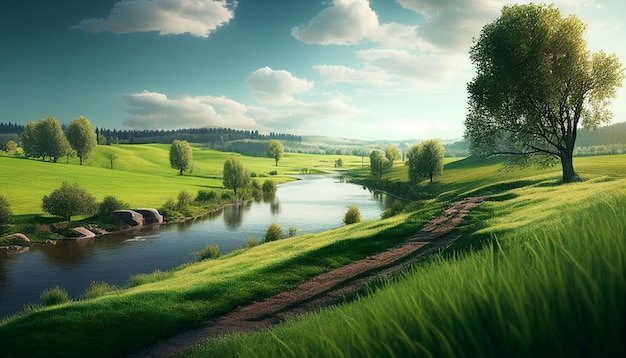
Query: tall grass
{"x":556,"y":292}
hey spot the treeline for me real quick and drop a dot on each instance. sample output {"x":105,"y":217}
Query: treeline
{"x":192,"y":135}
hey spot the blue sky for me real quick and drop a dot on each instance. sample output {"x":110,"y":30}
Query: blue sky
{"x":378,"y":69}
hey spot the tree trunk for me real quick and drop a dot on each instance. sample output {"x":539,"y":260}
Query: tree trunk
{"x":276,"y":161}
{"x":181,"y":171}
{"x":567,"y":162}
{"x":431,"y":177}
{"x":81,"y":159}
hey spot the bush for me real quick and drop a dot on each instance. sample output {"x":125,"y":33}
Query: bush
{"x":97,"y":289}
{"x":273,"y":233}
{"x":69,"y":200}
{"x":226,"y":196}
{"x":184,"y":201}
{"x":253,"y":175}
{"x":109,"y":204}
{"x":395,"y":208}
{"x":54,"y":296}
{"x":352,"y":216}
{"x":5,"y":211}
{"x":273,"y":172}
{"x":269,"y":187}
{"x":209,"y":252}
{"x":292,"y":232}
{"x":205,"y":196}
{"x":250,"y":243}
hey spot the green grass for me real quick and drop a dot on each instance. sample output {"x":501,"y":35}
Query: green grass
{"x":551,"y":283}
{"x":141,"y":174}
{"x":549,"y":274}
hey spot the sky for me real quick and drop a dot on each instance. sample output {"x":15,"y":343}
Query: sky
{"x":378,"y":69}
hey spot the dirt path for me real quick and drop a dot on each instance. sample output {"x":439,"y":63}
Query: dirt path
{"x":326,"y":288}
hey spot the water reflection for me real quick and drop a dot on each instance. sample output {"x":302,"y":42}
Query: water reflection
{"x":275,"y":207}
{"x":233,"y":214}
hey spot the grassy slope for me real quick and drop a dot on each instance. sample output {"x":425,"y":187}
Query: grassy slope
{"x":142,"y":175}
{"x":105,"y":326}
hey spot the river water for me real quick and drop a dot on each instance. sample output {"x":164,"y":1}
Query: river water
{"x":313,"y":204}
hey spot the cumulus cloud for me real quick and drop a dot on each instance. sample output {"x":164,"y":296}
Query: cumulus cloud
{"x":345,"y":22}
{"x":154,"y":110}
{"x":196,"y":17}
{"x":342,"y":74}
{"x":276,"y":86}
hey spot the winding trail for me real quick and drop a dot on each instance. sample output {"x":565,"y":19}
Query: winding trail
{"x":324,"y":289}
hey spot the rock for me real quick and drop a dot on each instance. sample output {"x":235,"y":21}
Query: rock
{"x":86,"y":234}
{"x":16,"y":239}
{"x":150,"y":216}
{"x":129,"y":218}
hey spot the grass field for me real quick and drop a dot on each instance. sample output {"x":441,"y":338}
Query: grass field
{"x":141,"y":174}
{"x":540,"y":266}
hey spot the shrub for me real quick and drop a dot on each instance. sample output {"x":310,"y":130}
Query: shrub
{"x":395,"y":208}
{"x":250,"y":243}
{"x":205,"y":196}
{"x":54,"y":296}
{"x":255,"y":185}
{"x":292,"y":232}
{"x":273,"y":172}
{"x":253,"y":175}
{"x":69,"y":200}
{"x":226,"y":196}
{"x":109,"y":204}
{"x":269,"y":187}
{"x":352,"y":216}
{"x":97,"y":289}
{"x":184,"y":200}
{"x":5,"y":211}
{"x":273,"y":233}
{"x":209,"y":252}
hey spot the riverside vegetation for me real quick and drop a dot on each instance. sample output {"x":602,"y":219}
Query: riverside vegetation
{"x":539,"y":269}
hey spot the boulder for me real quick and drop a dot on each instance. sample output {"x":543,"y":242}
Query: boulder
{"x":128,"y":218}
{"x":86,"y":234}
{"x":15,"y":239}
{"x":150,"y":216}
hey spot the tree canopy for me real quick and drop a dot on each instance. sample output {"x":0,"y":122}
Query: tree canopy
{"x":69,"y":200}
{"x":5,"y":211}
{"x":535,"y":84}
{"x":181,"y":156}
{"x":275,"y":149}
{"x":45,"y":138}
{"x":81,"y":136}
{"x":425,"y":160}
{"x":393,"y":153}
{"x":379,"y":164}
{"x":235,"y":175}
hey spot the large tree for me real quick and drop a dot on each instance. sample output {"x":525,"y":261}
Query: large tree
{"x":535,"y":84}
{"x":393,"y":153}
{"x":45,"y":138}
{"x":425,"y":160}
{"x":181,"y":156}
{"x":82,"y":137}
{"x":235,"y":175}
{"x":275,"y":149}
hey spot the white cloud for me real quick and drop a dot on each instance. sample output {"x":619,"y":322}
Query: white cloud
{"x":341,"y":74}
{"x":346,"y":22}
{"x":154,"y":110}
{"x":196,"y":17}
{"x":276,"y":86}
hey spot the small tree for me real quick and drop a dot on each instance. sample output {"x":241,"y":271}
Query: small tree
{"x":273,"y":233}
{"x":352,"y":216}
{"x":52,"y":139}
{"x":425,"y":160}
{"x":269,"y":187}
{"x":379,"y":164}
{"x":275,"y":149}
{"x":5,"y":211}
{"x":181,"y":156}
{"x":82,"y":137}
{"x":109,"y":204}
{"x":235,"y":175}
{"x":393,"y":153}
{"x":69,"y":200}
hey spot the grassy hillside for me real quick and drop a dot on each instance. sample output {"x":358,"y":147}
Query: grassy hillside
{"x":549,"y":280}
{"x":141,"y":174}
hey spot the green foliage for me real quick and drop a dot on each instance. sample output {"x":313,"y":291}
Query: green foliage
{"x":276,"y":150}
{"x":184,"y":201}
{"x":145,"y":278}
{"x":206,"y":196}
{"x":110,"y":204}
{"x":292,"y":232}
{"x":5,"y":211}
{"x":81,"y":136}
{"x":379,"y":163}
{"x":69,"y":200}
{"x":273,"y":172}
{"x":181,"y":156}
{"x":98,"y":289}
{"x":45,"y":139}
{"x":235,"y":175}
{"x":269,"y":187}
{"x":208,"y":253}
{"x":352,"y":216}
{"x":273,"y":233}
{"x":393,"y":153}
{"x":250,"y":243}
{"x":54,"y":296}
{"x":531,"y":97}
{"x":425,"y":160}
{"x":395,"y":208}
{"x":339,"y":163}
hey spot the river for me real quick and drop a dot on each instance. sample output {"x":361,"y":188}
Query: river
{"x":313,"y":204}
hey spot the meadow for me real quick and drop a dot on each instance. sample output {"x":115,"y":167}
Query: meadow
{"x":539,"y":270}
